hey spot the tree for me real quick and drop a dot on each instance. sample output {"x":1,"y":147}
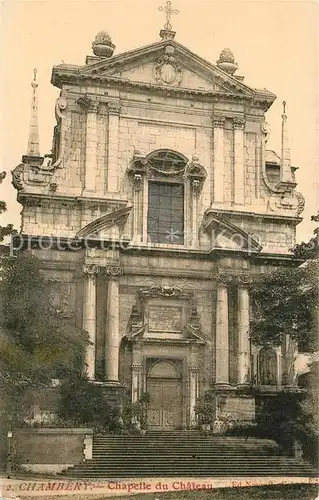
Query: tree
{"x":36,"y":344}
{"x":285,"y":301}
{"x":8,"y":229}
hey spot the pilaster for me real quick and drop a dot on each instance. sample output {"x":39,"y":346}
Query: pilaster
{"x":239,"y":165}
{"x":92,"y":108}
{"x":222,"y":332}
{"x":114,"y":110}
{"x":219,"y":161}
{"x":193,"y":393}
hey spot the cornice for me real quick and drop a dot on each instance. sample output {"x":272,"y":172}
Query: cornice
{"x":240,"y":213}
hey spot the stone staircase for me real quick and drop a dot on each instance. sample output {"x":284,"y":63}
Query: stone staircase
{"x":186,"y":454}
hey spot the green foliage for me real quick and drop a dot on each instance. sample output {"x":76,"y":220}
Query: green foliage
{"x":82,"y":403}
{"x":205,"y":409}
{"x":36,"y":346}
{"x":138,"y":410}
{"x":8,"y":229}
{"x":290,"y":416}
{"x":286,"y":302}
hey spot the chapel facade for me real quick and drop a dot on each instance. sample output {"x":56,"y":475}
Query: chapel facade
{"x":157,"y":206}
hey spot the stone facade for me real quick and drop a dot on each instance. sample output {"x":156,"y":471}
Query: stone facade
{"x":172,"y":317}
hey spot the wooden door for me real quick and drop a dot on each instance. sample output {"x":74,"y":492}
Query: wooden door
{"x":166,"y":405}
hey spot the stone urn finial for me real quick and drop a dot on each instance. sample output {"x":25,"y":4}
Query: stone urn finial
{"x":226,"y":61}
{"x":102,"y":45}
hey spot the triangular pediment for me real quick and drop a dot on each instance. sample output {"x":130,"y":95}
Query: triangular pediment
{"x":168,"y":64}
{"x":226,"y":235}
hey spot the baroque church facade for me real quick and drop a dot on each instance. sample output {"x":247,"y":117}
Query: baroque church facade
{"x":157,"y":206}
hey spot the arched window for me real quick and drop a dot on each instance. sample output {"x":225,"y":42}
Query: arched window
{"x":267,"y":366}
{"x":165,"y":217}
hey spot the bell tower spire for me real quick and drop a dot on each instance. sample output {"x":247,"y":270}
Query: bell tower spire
{"x":286,"y":177}
{"x":33,"y":142}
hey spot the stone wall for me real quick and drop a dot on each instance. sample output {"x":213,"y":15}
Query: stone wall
{"x":51,"y":450}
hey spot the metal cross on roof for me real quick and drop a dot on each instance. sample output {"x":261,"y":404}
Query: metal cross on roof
{"x":169,"y":12}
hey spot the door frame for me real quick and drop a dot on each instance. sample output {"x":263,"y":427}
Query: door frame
{"x":178,"y":365}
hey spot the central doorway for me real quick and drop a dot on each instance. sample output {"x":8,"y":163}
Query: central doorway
{"x":165,"y":390}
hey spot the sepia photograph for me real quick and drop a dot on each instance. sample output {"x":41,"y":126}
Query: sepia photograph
{"x":159,"y":249}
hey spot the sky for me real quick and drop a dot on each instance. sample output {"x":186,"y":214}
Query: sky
{"x":275,"y":43}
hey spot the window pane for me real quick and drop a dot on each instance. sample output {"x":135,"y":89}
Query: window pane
{"x":166,"y":213}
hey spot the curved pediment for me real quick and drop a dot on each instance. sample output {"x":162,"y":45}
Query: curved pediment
{"x":226,"y":235}
{"x":101,"y":226}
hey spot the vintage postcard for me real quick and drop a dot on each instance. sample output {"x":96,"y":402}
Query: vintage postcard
{"x":159,"y":247}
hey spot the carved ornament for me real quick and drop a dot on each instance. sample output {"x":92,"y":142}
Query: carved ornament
{"x":91,"y":269}
{"x":224,"y":278}
{"x":113,"y":108}
{"x":238,"y":123}
{"x":167,"y":70}
{"x":218,"y":121}
{"x":164,"y":291}
{"x":114,"y":271}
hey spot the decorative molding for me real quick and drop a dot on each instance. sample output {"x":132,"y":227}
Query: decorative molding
{"x":91,"y":269}
{"x":224,"y":278}
{"x":113,"y":271}
{"x":196,"y":173}
{"x":137,"y":367}
{"x":164,"y":291}
{"x":193,"y":369}
{"x":239,"y":123}
{"x":113,"y":108}
{"x":167,"y":71}
{"x":218,"y":120}
{"x":60,"y":106}
{"x":90,"y":105}
{"x":114,"y":218}
{"x":301,"y":202}
{"x":244,"y":279}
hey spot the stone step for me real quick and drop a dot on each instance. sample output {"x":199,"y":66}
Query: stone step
{"x":178,"y":454}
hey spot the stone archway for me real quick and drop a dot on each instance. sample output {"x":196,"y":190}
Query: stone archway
{"x":164,"y":385}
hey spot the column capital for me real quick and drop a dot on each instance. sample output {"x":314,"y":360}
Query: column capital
{"x":137,"y":367}
{"x":113,"y":271}
{"x":193,"y":369}
{"x":239,"y":123}
{"x":243,"y":279}
{"x":114,"y":108}
{"x":224,"y":278}
{"x":91,"y":269}
{"x":90,"y":105}
{"x":218,"y":120}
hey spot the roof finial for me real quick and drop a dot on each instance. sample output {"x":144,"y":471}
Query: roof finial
{"x":169,"y":12}
{"x":33,"y":143}
{"x":167,"y":33}
{"x":286,"y":176}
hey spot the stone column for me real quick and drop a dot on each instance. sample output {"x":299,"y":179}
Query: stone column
{"x":113,"y":147}
{"x":222,"y":343}
{"x":243,"y":331}
{"x":193,"y":393}
{"x":219,"y":161}
{"x":89,"y":317}
{"x":239,"y":164}
{"x":137,"y":387}
{"x":91,"y":146}
{"x":112,"y":324}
